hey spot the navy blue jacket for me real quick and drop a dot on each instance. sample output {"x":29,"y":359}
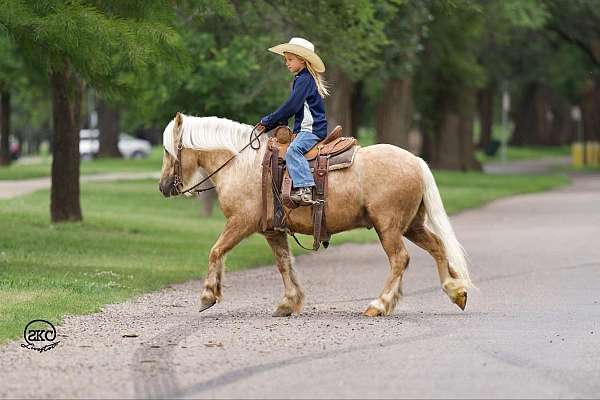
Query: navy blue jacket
{"x":305,"y":104}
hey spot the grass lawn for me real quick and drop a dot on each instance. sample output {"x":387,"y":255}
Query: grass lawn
{"x":43,"y":166}
{"x":134,"y":241}
{"x":366,"y":137}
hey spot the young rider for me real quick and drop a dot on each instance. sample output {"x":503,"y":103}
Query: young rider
{"x":306,"y":105}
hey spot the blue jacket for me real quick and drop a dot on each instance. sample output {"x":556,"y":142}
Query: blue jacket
{"x":305,"y":104}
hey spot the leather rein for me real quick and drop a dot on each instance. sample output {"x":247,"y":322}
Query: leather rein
{"x":178,"y":180}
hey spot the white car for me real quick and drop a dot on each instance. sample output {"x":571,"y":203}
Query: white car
{"x":129,"y":146}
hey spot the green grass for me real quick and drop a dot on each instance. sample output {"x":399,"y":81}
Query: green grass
{"x":43,"y":167}
{"x":367,"y":137}
{"x":133,"y":241}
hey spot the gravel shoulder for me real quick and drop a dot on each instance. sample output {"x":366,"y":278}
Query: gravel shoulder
{"x":532,"y":329}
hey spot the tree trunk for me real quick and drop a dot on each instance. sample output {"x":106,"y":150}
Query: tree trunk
{"x":564,"y":127}
{"x":358,"y":105}
{"x":208,"y":200}
{"x":453,"y":146}
{"x":4,"y":127}
{"x":339,"y":102}
{"x":67,"y":92}
{"x":466,"y":132}
{"x":108,"y":124}
{"x":394,"y":113}
{"x":485,"y":106}
{"x":590,"y":111}
{"x":533,"y":125}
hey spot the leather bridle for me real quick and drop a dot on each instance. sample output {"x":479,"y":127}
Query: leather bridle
{"x":178,"y":169}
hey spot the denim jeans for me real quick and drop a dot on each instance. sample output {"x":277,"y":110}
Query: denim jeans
{"x":296,"y":163}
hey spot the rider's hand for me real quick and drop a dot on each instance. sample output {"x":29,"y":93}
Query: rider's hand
{"x":260,"y":127}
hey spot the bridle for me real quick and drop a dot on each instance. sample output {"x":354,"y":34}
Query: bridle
{"x":178,"y":173}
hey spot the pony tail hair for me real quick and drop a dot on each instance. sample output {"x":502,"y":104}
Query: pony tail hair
{"x":322,"y":86}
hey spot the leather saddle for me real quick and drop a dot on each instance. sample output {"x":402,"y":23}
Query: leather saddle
{"x":333,"y":152}
{"x":333,"y":143}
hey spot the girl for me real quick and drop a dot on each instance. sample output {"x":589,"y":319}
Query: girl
{"x":306,"y":105}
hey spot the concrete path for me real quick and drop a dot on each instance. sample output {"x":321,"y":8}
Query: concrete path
{"x":541,"y":166}
{"x":532,"y":329}
{"x":9,"y":189}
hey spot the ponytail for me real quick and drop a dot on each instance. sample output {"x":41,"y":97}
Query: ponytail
{"x":322,"y":86}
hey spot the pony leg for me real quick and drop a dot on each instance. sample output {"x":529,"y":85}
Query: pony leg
{"x":229,"y":238}
{"x":293,"y":295}
{"x":398,"y":257}
{"x":428,"y":241}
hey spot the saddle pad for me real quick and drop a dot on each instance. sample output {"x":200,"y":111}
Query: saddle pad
{"x":339,"y":161}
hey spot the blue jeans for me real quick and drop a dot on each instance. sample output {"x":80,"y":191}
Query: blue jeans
{"x":296,"y":163}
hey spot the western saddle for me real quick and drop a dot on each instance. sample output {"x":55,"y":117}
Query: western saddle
{"x":332,"y":153}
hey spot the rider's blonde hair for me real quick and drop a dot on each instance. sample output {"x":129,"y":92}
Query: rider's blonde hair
{"x":321,"y":84}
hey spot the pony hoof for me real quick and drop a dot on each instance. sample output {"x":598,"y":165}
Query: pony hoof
{"x":461,"y":300}
{"x":373,"y":312}
{"x":206,"y":305}
{"x":282,"y":311}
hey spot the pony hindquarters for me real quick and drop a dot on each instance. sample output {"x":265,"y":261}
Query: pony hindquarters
{"x":392,"y":190}
{"x":402,"y":198}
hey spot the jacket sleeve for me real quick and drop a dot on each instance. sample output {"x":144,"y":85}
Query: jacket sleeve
{"x":292,"y":105}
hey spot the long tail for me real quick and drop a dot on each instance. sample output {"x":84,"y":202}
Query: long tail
{"x":438,"y":222}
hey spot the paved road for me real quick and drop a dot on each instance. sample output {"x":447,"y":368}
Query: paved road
{"x":9,"y":189}
{"x":532,"y":329}
{"x":540,"y":166}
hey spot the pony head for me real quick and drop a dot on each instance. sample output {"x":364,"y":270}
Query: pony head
{"x":178,"y":165}
{"x":192,"y":145}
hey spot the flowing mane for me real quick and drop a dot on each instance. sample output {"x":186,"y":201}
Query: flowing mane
{"x":211,"y":133}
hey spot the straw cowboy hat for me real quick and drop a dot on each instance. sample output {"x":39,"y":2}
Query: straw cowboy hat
{"x":303,"y":48}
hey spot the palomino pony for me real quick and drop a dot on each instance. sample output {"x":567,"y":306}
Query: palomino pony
{"x":387,"y":188}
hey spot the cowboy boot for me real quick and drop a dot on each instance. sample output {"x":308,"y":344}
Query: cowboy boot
{"x":303,"y":196}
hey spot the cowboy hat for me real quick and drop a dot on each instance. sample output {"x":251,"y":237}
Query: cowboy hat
{"x":303,"y":48}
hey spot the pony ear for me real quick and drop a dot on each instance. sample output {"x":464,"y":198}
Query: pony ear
{"x":177,"y":127}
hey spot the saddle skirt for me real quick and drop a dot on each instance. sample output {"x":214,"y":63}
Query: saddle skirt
{"x":332,"y":153}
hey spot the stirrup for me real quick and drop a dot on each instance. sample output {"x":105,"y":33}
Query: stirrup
{"x":300,"y":197}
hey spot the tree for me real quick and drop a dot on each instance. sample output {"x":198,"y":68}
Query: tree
{"x":548,"y":77}
{"x":5,"y":156}
{"x":447,"y":81}
{"x":461,"y":63}
{"x":503,"y":22}
{"x":405,"y":27}
{"x":577,"y":23}
{"x":76,"y":41}
{"x":108,"y":126}
{"x":10,"y":67}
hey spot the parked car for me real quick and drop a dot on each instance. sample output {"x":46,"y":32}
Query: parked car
{"x":129,"y":146}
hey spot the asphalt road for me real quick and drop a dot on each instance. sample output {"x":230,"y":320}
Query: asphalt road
{"x":531,"y":330}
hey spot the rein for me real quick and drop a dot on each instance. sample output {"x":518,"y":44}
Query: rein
{"x":178,"y":180}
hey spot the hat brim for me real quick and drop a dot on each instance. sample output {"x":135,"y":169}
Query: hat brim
{"x":303,"y":52}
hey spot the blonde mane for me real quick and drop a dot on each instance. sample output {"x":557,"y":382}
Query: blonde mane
{"x":212,"y":133}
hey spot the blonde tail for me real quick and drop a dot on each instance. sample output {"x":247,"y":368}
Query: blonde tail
{"x":438,"y":222}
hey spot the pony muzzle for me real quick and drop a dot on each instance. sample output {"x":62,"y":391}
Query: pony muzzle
{"x":170,"y":187}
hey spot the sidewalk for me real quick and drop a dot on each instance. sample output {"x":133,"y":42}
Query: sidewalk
{"x":10,"y":189}
{"x":541,"y":166}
